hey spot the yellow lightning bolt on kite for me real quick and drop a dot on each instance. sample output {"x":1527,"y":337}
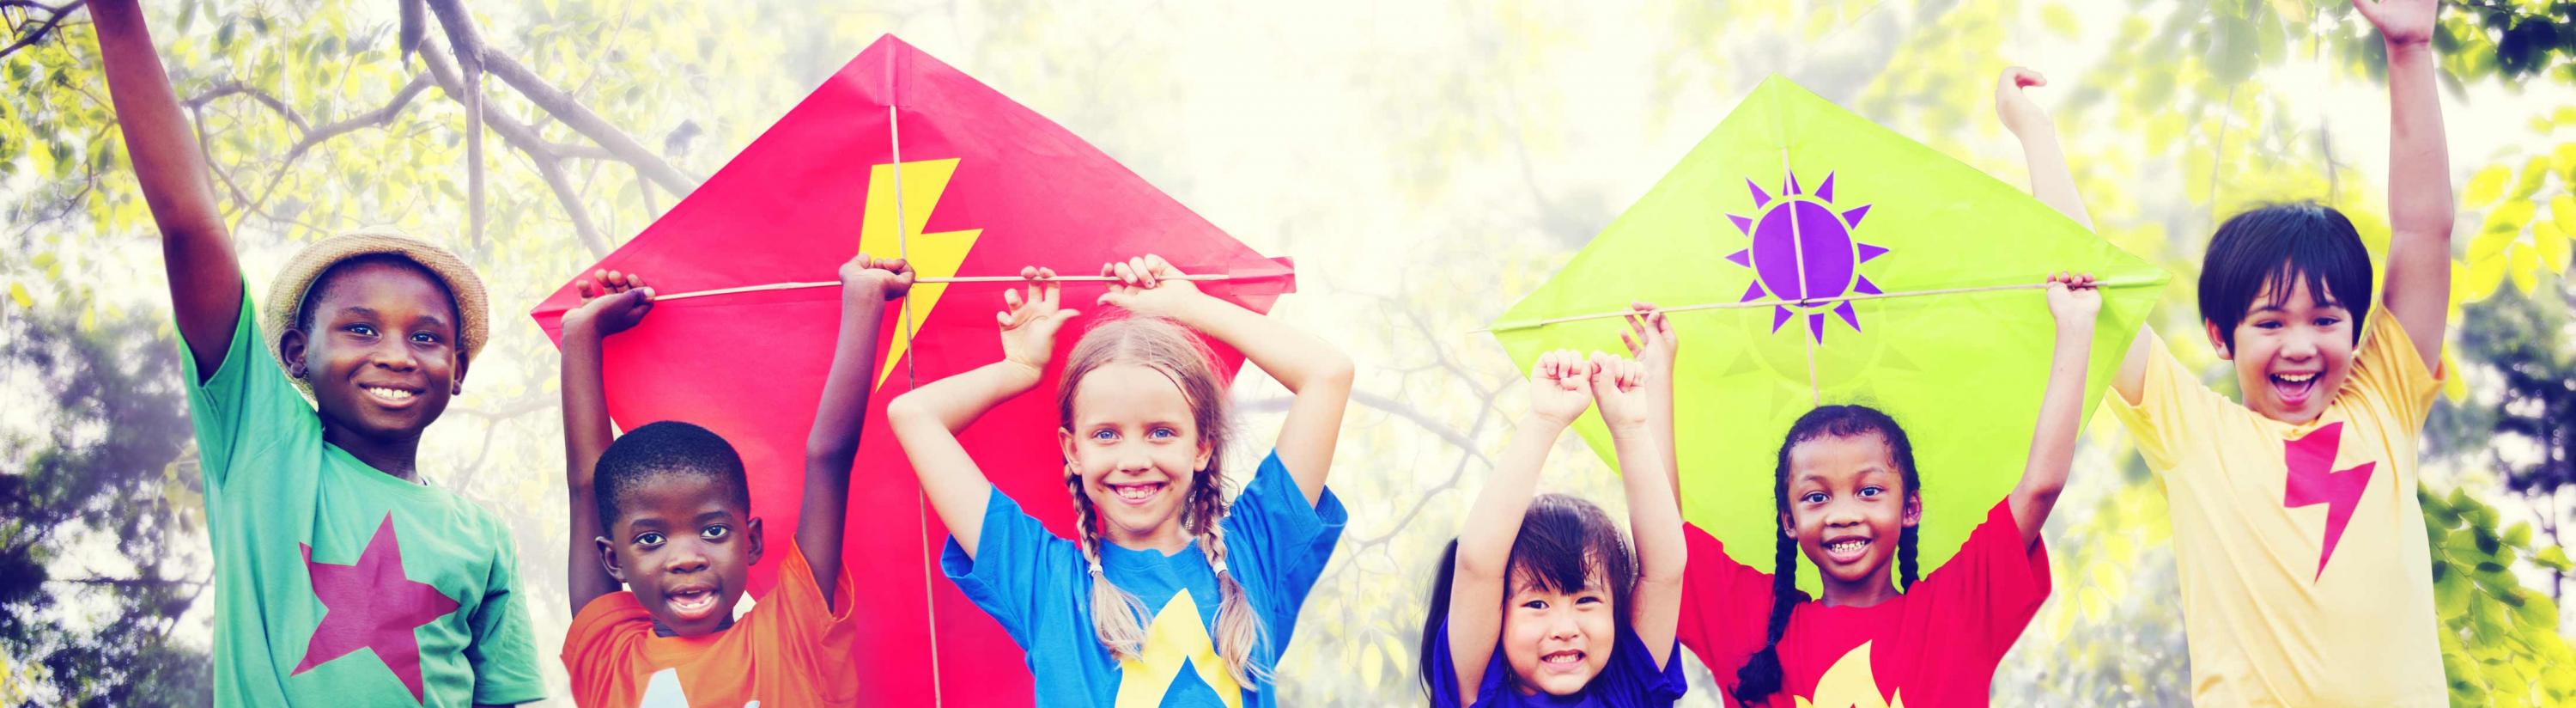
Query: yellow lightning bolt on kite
{"x":932,"y":255}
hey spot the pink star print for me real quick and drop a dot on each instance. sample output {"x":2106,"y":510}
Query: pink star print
{"x":372,"y":605}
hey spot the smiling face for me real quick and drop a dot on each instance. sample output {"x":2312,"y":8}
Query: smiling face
{"x":1849,"y":508}
{"x":2291,"y":353}
{"x":1557,"y":639}
{"x":379,"y":347}
{"x":685,"y":546}
{"x":1134,"y":440}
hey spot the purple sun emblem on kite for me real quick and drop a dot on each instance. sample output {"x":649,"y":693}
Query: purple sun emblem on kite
{"x":1803,"y":252}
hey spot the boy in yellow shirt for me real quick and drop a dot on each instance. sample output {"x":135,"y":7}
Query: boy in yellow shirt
{"x":2306,"y":575}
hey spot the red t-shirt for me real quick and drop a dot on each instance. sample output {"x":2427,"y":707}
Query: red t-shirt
{"x":1936,"y":645}
{"x":791,"y":649}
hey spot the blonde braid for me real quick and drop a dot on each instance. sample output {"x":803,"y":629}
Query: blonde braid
{"x":1239,"y":629}
{"x":1117,"y":616}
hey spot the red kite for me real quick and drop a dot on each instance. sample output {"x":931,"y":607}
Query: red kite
{"x":985,"y":187}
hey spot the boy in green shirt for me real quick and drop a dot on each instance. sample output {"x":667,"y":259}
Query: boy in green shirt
{"x":340,"y":579}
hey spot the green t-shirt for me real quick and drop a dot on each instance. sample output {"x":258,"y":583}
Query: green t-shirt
{"x":335,"y":583}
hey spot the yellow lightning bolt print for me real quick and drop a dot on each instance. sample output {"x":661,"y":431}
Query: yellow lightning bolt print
{"x":932,"y":255}
{"x":1175,"y":638}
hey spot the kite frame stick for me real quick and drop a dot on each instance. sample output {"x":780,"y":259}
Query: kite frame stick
{"x":1798,"y":249}
{"x":921,"y":498}
{"x":1807,"y":302}
{"x":800,"y":285}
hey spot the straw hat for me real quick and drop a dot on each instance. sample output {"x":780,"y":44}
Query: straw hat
{"x":286,"y":297}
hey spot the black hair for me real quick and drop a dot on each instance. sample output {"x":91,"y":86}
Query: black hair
{"x":648,"y":454}
{"x":1761,"y":675}
{"x":2276,"y":246}
{"x":1562,"y":540}
{"x":322,"y":284}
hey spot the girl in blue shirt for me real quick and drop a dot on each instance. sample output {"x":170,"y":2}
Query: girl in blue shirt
{"x":1172,"y":595}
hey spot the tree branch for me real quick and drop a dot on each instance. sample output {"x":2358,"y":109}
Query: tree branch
{"x":38,"y":34}
{"x":236,"y":88}
{"x":525,"y":138}
{"x":556,"y":103}
{"x":469,"y":59}
{"x":324,"y":133}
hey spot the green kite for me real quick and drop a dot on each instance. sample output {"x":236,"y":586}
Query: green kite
{"x":1806,"y":256}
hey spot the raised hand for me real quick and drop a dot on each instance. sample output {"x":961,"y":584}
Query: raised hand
{"x":1650,"y":339}
{"x":1619,"y":384}
{"x":1147,"y":285}
{"x":2074,"y":299}
{"x":2020,"y":115}
{"x":1560,"y":386}
{"x":612,"y":302}
{"x":1029,"y":321}
{"x":890,"y":277}
{"x":2400,"y":22}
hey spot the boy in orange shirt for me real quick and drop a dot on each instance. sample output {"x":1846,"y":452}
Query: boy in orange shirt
{"x":666,"y":510}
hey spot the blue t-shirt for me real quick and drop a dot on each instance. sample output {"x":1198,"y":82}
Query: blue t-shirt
{"x":1039,"y":587}
{"x":1630,"y":679}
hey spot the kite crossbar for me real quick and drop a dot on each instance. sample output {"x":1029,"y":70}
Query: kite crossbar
{"x":1804,"y":302}
{"x":957,"y":279}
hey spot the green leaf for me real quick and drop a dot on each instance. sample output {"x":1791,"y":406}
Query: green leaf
{"x":2508,"y":218}
{"x":18,"y":294}
{"x":2486,"y":186}
{"x":2524,"y":266}
{"x":2553,"y":557}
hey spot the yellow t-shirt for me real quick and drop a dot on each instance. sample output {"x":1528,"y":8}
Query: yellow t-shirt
{"x":2306,"y":578}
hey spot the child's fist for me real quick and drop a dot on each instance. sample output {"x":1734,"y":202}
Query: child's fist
{"x":888,"y":277}
{"x":2073,"y":298}
{"x":612,"y":302}
{"x":1146,"y":285}
{"x":1560,"y":386}
{"x":2401,"y":22}
{"x":1620,"y":385}
{"x":1029,"y":322}
{"x":1650,"y":338}
{"x":2020,"y":115}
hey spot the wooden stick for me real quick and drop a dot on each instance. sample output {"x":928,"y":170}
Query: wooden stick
{"x":950,"y":280}
{"x":1800,"y":302}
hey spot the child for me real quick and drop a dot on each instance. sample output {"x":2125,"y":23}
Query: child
{"x":1538,"y":602}
{"x":666,"y":510}
{"x":1849,"y":499}
{"x":340,"y":577}
{"x":1185,"y":579}
{"x":2305,"y":577}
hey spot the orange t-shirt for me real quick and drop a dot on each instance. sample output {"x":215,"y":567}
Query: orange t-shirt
{"x":791,"y":649}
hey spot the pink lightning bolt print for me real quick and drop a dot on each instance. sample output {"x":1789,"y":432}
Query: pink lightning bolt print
{"x":2314,"y":480}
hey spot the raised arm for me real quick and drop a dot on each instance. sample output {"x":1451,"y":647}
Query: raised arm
{"x":1560,"y":388}
{"x":926,"y":419}
{"x":1651,"y":342}
{"x":2074,"y":302}
{"x":611,"y":302}
{"x":2050,"y":181}
{"x":1314,"y":370}
{"x":2420,"y":204}
{"x":833,"y":446}
{"x":1630,"y":402}
{"x":2054,"y":185}
{"x":205,"y":278}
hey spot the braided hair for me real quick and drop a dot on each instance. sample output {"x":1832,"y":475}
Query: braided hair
{"x":1762,"y":674}
{"x":1117,"y":615}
